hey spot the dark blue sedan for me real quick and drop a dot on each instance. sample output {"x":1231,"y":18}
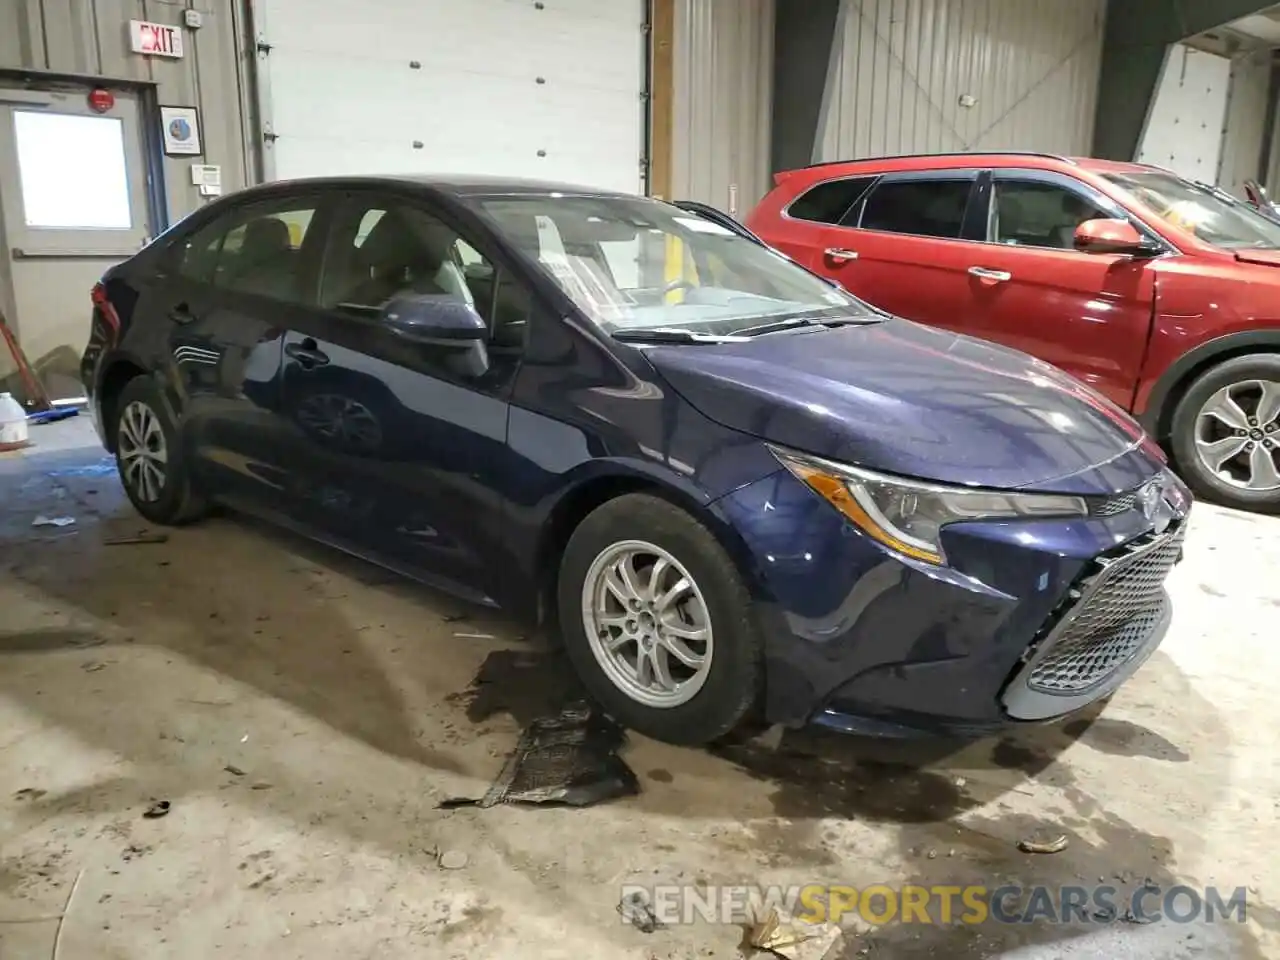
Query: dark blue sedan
{"x":738,"y":491}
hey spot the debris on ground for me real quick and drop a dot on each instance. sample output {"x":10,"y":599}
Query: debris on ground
{"x":233,"y":770}
{"x":475,"y":636}
{"x":1031,"y":845}
{"x":43,"y":521}
{"x":635,"y":909}
{"x":260,"y":786}
{"x":133,"y":851}
{"x":453,"y":860}
{"x":782,"y":935}
{"x":29,"y":793}
{"x":136,"y":538}
{"x":157,"y":809}
{"x":93,"y":666}
{"x":570,"y":759}
{"x":62,"y":917}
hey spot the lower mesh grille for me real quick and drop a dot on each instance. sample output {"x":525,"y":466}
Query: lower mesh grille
{"x":1117,"y":608}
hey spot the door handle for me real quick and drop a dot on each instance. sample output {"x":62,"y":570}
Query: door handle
{"x":982,"y":273}
{"x":307,"y":354}
{"x":182,"y":314}
{"x":841,"y":254}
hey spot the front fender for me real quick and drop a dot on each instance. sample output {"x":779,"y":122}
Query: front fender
{"x":1158,"y":393}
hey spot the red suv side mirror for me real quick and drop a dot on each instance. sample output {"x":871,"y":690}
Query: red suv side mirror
{"x":1109,"y":236}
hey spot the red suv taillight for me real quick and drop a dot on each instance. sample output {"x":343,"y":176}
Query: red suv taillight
{"x":104,"y":310}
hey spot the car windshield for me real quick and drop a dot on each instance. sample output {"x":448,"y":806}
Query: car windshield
{"x":1199,"y":211}
{"x":636,"y":264}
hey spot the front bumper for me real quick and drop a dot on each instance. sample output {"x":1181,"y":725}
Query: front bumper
{"x":1032,"y":621}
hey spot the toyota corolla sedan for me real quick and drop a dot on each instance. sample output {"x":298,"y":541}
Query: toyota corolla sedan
{"x":737,"y":491}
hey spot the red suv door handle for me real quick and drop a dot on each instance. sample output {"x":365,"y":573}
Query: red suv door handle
{"x":998,"y":276}
{"x":840,"y":254}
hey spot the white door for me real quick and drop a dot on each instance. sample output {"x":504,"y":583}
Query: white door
{"x":73,"y":202}
{"x":1186,"y":118}
{"x":548,"y":89}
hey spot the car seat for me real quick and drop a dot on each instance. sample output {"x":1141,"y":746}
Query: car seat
{"x":262,"y":265}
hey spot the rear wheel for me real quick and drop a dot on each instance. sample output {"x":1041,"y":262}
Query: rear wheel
{"x":658,"y":622}
{"x":149,"y":456}
{"x":1226,"y":433}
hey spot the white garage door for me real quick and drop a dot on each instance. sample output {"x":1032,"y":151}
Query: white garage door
{"x":531,"y":88}
{"x":1184,"y":127}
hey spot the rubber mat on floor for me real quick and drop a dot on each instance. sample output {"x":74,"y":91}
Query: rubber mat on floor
{"x":570,"y":759}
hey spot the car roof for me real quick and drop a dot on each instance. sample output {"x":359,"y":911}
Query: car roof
{"x":461,"y":185}
{"x":950,"y":161}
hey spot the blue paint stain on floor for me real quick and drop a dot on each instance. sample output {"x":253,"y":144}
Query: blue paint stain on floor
{"x":105,"y":467}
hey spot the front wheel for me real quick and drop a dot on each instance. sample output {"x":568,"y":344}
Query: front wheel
{"x":149,"y":456}
{"x":1226,"y":433}
{"x":658,"y":623}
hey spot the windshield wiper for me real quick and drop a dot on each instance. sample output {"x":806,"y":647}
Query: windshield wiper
{"x":671,"y":335}
{"x":791,"y":323}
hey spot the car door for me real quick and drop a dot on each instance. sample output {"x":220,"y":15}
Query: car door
{"x":1029,"y":288}
{"x":227,"y":292}
{"x":798,"y":229}
{"x":901,"y":247}
{"x":390,"y":434}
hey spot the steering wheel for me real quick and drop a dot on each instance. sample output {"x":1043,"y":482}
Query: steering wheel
{"x":679,"y":283}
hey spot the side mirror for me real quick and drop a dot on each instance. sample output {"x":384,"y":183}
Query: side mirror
{"x":437,"y":319}
{"x":1111,"y":236}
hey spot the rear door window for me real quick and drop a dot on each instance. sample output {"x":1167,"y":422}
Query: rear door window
{"x":918,"y":207}
{"x":256,"y":250}
{"x":830,"y":202}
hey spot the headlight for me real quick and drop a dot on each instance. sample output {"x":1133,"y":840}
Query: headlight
{"x":908,"y":515}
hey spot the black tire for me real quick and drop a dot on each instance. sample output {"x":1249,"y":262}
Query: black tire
{"x":1201,"y":479}
{"x":734,"y":680}
{"x":177,"y":502}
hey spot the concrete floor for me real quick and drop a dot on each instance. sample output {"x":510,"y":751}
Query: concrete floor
{"x":349,"y":707}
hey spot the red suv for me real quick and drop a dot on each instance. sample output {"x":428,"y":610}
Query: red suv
{"x":1161,"y":293}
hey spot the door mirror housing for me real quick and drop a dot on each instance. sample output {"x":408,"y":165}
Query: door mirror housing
{"x":1104,"y":235}
{"x":439,"y":319}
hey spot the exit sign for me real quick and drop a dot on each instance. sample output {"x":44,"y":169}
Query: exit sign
{"x":155,"y":39}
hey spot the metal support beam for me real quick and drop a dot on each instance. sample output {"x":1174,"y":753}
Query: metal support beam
{"x":662,"y":35}
{"x":1138,"y":32}
{"x":804,"y":32}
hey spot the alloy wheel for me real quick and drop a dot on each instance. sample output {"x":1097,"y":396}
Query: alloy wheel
{"x":1238,"y":435}
{"x":144,"y":455}
{"x":647,"y":624}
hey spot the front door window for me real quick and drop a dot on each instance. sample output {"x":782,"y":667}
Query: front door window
{"x":1027,"y":213}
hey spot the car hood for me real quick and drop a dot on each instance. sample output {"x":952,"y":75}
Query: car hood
{"x":912,"y":400}
{"x":1261,"y":258}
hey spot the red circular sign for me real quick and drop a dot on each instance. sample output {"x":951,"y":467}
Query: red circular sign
{"x":100,"y":101}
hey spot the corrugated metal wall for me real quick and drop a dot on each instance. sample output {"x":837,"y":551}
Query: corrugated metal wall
{"x":1246,"y":121}
{"x":925,"y":76}
{"x":723,"y":79}
{"x":91,"y":37}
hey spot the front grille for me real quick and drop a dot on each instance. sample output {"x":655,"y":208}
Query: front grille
{"x":1116,"y":505}
{"x":1113,"y":613}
